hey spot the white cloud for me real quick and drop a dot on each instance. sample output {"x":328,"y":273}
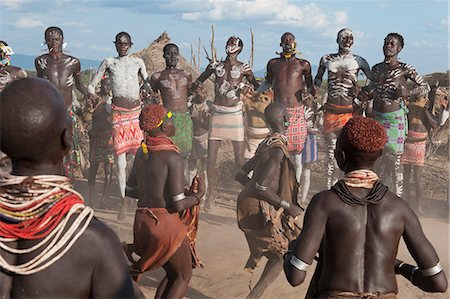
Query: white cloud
{"x":272,"y":12}
{"x":28,"y":22}
{"x":101,"y":49}
{"x":11,"y":4}
{"x":445,"y":22}
{"x":86,"y":31}
{"x":73,"y":24}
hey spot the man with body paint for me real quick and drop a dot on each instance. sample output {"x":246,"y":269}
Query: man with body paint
{"x":389,"y":92}
{"x":287,"y":74}
{"x":64,"y":71}
{"x":8,"y":73}
{"x":173,"y":85}
{"x":226,"y":112}
{"x":343,"y":68}
{"x":124,"y":72}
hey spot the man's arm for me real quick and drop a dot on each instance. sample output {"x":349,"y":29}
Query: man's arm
{"x":110,"y":278}
{"x":101,"y":71}
{"x":423,"y":88}
{"x":365,"y":68}
{"x":175,"y":182}
{"x":38,"y":68}
{"x":308,"y":242}
{"x":262,"y":190}
{"x":268,"y":79}
{"x":242,"y":175}
{"x":320,"y":72}
{"x":77,"y":76}
{"x":132,"y":189}
{"x":248,"y":73}
{"x":308,"y":77}
{"x":427,"y":276}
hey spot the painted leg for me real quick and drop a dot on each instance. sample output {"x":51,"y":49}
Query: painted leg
{"x":107,"y":186}
{"x":213,"y":148}
{"x":298,"y":165}
{"x":330,"y":164}
{"x":306,"y":183}
{"x":91,"y":182}
{"x":398,"y":176}
{"x":121,"y":176}
{"x":271,"y":272}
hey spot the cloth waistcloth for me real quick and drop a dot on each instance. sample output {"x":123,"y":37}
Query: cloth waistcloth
{"x":414,"y":152}
{"x":72,"y":159}
{"x":266,"y":227}
{"x":127,"y":134}
{"x":335,"y":121}
{"x":226,"y":123}
{"x":310,"y":151}
{"x":199,"y":146}
{"x":183,"y":132}
{"x":157,"y":236}
{"x":297,"y":130}
{"x":355,"y":295}
{"x":396,"y":126}
{"x":253,"y":138}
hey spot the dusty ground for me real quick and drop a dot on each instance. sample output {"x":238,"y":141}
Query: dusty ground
{"x":223,"y":249}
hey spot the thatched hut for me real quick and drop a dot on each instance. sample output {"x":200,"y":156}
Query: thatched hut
{"x":154,"y":61}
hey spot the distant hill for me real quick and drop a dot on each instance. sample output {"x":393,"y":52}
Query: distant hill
{"x":27,"y":62}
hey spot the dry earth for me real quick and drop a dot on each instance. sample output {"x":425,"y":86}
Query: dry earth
{"x":223,"y":249}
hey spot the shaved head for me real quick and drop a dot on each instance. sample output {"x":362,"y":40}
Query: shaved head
{"x":274,"y":114}
{"x":34,"y":123}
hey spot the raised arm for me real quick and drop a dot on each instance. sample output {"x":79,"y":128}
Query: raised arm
{"x":365,"y":68}
{"x":98,"y":77}
{"x":308,"y":242}
{"x":428,"y":276}
{"x":248,"y":73}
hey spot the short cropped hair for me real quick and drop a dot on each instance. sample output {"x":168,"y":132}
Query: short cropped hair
{"x":151,"y":115}
{"x":363,"y":134}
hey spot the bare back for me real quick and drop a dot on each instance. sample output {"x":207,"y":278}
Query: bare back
{"x":374,"y":233}
{"x":61,"y":70}
{"x":286,"y":77}
{"x":94,"y":267}
{"x":159,"y":178}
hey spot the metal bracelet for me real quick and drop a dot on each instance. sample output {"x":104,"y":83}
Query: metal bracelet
{"x":432,"y":271}
{"x":260,"y":187}
{"x":298,"y":263}
{"x":413,"y":270}
{"x":285,"y":204}
{"x":178,"y":197}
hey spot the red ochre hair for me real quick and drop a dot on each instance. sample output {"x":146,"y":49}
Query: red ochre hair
{"x":364,"y":134}
{"x":151,"y":115}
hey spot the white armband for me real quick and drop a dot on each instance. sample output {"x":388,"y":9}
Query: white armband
{"x":432,"y":271}
{"x":178,"y":197}
{"x":298,"y":263}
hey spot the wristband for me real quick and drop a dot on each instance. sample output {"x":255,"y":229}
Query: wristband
{"x":298,"y":263}
{"x":432,"y":271}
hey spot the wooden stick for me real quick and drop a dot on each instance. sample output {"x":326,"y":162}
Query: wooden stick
{"x":252,"y":55}
{"x":213,"y":50}
{"x":191,"y":63}
{"x":198,"y":55}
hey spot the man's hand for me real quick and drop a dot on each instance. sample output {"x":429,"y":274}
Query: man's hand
{"x":197,"y":187}
{"x":294,"y":210}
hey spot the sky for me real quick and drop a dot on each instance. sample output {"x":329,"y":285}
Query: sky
{"x":90,"y":27}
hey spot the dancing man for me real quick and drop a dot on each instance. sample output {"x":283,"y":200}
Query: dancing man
{"x":51,"y":243}
{"x":64,"y":71}
{"x":287,"y":75}
{"x":226,"y":113}
{"x":359,"y":210}
{"x":174,"y":85}
{"x":267,"y":206}
{"x":124,"y":72}
{"x":163,"y":238}
{"x":8,"y":73}
{"x":343,"y":68}
{"x":389,"y":92}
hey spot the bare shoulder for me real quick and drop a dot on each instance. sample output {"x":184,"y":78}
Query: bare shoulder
{"x":156,"y":76}
{"x":100,"y":236}
{"x":273,"y":61}
{"x":41,"y":57}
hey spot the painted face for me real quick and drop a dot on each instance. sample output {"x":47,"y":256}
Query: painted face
{"x":288,"y":43}
{"x":345,"y":40}
{"x":123,"y":44}
{"x":54,"y":41}
{"x":392,"y":46}
{"x":233,"y":45}
{"x":171,"y":55}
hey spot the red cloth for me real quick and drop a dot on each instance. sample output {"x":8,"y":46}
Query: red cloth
{"x":162,"y":143}
{"x":414,"y":152}
{"x":333,"y":122}
{"x":127,"y":135}
{"x":297,"y":130}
